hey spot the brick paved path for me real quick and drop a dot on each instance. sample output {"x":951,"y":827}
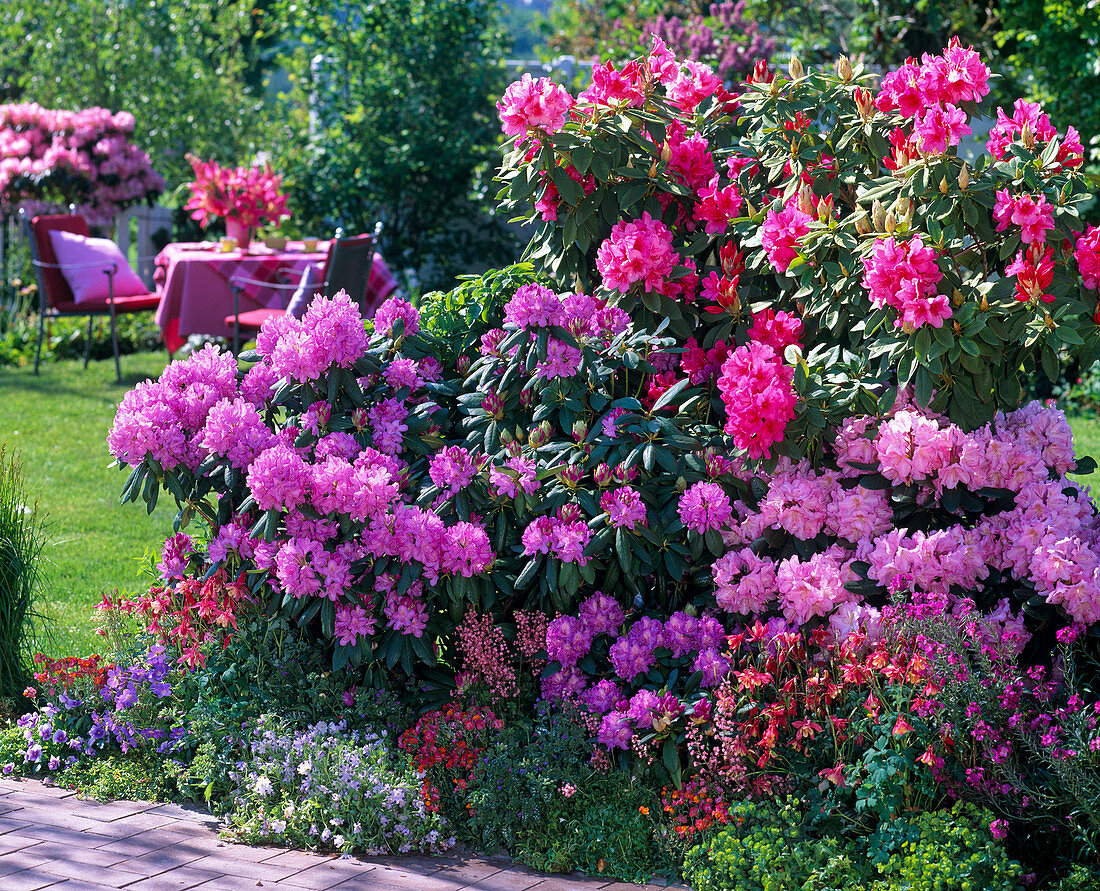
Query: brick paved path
{"x":49,"y":838}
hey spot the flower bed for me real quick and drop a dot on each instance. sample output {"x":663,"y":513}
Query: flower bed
{"x":745,"y":540}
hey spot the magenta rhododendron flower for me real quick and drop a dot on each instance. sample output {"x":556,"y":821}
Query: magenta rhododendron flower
{"x":562,"y":360}
{"x":778,"y":330}
{"x":937,"y":128}
{"x":352,"y":623}
{"x":694,"y":83}
{"x":1008,"y":130}
{"x":611,"y":86}
{"x":534,"y":306}
{"x":689,"y":162}
{"x":756,"y":388}
{"x":1034,"y":271}
{"x":905,"y":275}
{"x":1087,"y":254}
{"x":393,"y":309}
{"x":624,"y":507}
{"x":452,"y":469}
{"x":1033,"y":216}
{"x":636,"y":251}
{"x":705,"y":506}
{"x":716,"y":207}
{"x":534,"y":105}
{"x":601,"y":614}
{"x":780,"y":234}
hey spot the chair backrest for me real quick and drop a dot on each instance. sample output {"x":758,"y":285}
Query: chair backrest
{"x":348,"y":266}
{"x":154,"y":231}
{"x":53,"y":290}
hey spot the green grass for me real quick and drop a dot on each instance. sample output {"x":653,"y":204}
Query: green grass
{"x":58,"y":422}
{"x":1086,"y":441}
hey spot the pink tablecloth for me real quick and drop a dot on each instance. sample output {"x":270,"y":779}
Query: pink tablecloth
{"x":194,"y":279}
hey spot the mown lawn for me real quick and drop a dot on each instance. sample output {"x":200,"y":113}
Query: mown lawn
{"x":58,"y":423}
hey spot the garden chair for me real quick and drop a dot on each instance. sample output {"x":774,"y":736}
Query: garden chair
{"x":56,"y":282}
{"x":347,"y":267}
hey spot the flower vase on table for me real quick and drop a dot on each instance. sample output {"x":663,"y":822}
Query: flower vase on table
{"x":235,"y":229}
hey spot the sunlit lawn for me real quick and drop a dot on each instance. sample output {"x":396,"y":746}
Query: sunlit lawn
{"x":58,"y":422}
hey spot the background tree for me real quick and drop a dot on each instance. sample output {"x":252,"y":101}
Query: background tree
{"x":390,"y":117}
{"x":181,"y":68}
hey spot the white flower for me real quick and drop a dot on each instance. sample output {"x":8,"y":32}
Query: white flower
{"x":305,"y":767}
{"x":338,"y":841}
{"x":278,"y":826}
{"x":262,"y":786}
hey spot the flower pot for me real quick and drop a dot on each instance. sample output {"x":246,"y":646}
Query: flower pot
{"x":234,"y":228}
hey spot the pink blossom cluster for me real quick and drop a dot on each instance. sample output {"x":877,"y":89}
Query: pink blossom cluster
{"x":485,"y":656}
{"x":757,"y":391}
{"x":1009,"y":130}
{"x":1087,"y":254}
{"x":637,"y":251}
{"x":905,"y":275}
{"x":82,"y":156}
{"x":930,"y":93}
{"x":534,"y":105}
{"x":331,"y":332}
{"x":1032,"y":214}
{"x":249,"y":195}
{"x":564,"y":539}
{"x":1048,"y":539}
{"x":780,"y":233}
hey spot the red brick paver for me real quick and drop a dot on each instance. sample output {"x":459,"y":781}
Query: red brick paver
{"x":51,"y":839}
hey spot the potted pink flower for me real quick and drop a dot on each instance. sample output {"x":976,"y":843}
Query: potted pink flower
{"x":244,"y":197}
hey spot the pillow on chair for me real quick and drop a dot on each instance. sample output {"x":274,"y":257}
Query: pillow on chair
{"x":310,"y":285}
{"x":82,"y":261}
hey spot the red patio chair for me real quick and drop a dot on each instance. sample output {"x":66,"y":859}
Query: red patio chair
{"x":347,"y":267}
{"x":55,"y":297}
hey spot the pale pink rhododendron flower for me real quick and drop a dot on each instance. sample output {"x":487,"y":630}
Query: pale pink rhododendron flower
{"x":534,"y":105}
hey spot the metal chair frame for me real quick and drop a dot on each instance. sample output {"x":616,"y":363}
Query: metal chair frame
{"x":340,"y":275}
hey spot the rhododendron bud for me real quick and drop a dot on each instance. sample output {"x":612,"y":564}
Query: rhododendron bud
{"x":571,"y":475}
{"x":825,"y":209}
{"x":806,"y":200}
{"x":795,"y":68}
{"x":944,"y":187}
{"x":890,"y":224}
{"x":863,"y":226}
{"x":580,"y":431}
{"x":569,"y":513}
{"x":844,"y":69}
{"x":603,"y":476}
{"x":865,"y":103}
{"x":964,"y":177}
{"x":1027,"y":135}
{"x":761,"y":74}
{"x":878,"y":215}
{"x":462,"y":364}
{"x":493,"y":405}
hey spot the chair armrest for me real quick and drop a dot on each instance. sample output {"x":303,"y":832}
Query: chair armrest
{"x":112,"y":270}
{"x":238,"y":283}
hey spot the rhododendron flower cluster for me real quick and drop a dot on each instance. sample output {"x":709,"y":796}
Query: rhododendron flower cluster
{"x":538,"y":105}
{"x":1008,"y":130}
{"x":637,"y":251}
{"x":780,"y":234}
{"x":54,"y":157}
{"x":758,"y":396}
{"x":905,"y":275}
{"x":1031,"y":215}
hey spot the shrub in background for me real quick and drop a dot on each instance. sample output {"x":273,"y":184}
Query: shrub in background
{"x":22,"y":538}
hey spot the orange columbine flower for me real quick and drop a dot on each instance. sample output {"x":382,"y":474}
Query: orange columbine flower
{"x":901,"y":726}
{"x":642,"y":809}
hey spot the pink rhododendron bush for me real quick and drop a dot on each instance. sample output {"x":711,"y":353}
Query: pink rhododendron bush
{"x":54,"y":157}
{"x":769,"y":385}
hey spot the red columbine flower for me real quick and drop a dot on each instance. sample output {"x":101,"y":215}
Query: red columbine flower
{"x":901,"y":726}
{"x":1033,"y":274}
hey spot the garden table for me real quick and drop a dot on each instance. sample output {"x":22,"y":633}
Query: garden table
{"x":195,"y":281}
